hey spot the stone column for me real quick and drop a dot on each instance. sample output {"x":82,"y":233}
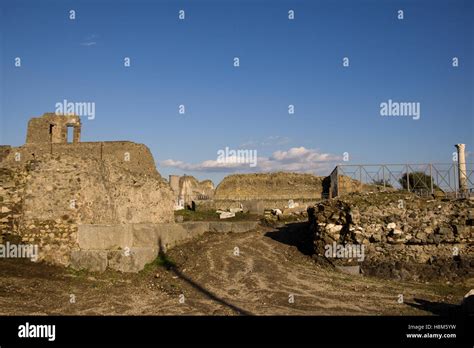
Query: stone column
{"x":462,"y":174}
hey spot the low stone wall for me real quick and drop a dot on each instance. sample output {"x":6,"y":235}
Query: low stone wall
{"x":128,"y":248}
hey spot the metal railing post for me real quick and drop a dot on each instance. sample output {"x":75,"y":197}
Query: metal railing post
{"x":431,"y":178}
{"x":383,"y":175}
{"x":408,"y":179}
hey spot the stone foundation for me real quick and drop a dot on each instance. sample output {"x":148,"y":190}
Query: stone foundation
{"x":128,"y":248}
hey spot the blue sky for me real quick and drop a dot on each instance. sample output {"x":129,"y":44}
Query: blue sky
{"x":282,"y":62}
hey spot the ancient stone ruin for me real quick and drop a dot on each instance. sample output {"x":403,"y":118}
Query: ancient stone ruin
{"x":187,"y":189}
{"x":52,"y":128}
{"x":47,"y":137}
{"x":50,"y":188}
{"x":91,"y":205}
{"x":98,"y":205}
{"x":257,"y":192}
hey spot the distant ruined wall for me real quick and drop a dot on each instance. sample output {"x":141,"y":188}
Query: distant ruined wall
{"x":193,"y":189}
{"x":270,"y":186}
{"x":189,"y":189}
{"x":343,"y":185}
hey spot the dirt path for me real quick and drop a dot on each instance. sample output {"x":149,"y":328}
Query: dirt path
{"x":219,"y":274}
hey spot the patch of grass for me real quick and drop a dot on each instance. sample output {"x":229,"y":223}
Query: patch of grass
{"x":444,"y":290}
{"x":198,"y":215}
{"x":164,"y":261}
{"x":80,"y":273}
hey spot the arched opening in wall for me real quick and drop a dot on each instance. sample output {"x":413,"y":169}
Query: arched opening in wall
{"x":70,"y":134}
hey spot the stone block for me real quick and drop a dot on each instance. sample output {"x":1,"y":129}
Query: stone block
{"x":196,"y":228}
{"x":354,"y":270}
{"x":91,"y":260}
{"x":131,"y":260}
{"x":244,"y":226}
{"x":253,"y":207}
{"x":169,"y":234}
{"x":104,"y":237}
{"x":172,"y":234}
{"x":220,"y":226}
{"x":145,"y":235}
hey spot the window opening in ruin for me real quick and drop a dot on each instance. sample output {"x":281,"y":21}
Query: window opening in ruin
{"x":70,"y":134}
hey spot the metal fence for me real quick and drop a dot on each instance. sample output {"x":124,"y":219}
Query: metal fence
{"x":423,"y":179}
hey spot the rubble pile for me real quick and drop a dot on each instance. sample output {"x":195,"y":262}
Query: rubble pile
{"x":401,"y":235}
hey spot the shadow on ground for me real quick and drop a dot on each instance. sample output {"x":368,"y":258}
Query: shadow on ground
{"x":296,"y":234}
{"x":170,"y":266}
{"x":437,"y":308}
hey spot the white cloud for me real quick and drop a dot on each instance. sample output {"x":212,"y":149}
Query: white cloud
{"x":296,"y":159}
{"x":90,"y":40}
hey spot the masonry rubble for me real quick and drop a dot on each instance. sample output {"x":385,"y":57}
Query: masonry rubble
{"x":417,"y":239}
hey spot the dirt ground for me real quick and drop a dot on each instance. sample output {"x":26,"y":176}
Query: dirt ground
{"x":254,"y":273}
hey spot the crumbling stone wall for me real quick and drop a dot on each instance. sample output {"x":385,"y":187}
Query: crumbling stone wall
{"x":54,"y":237}
{"x":193,"y":189}
{"x":59,"y":192}
{"x":11,"y":202}
{"x":188,"y":189}
{"x":405,"y":236}
{"x":342,"y":185}
{"x":52,"y":128}
{"x":47,"y":135}
{"x":94,"y":192}
{"x":4,"y":151}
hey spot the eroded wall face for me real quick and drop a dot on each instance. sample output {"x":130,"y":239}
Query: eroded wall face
{"x":189,"y":189}
{"x":128,"y":155}
{"x":270,"y":187}
{"x":55,"y":195}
